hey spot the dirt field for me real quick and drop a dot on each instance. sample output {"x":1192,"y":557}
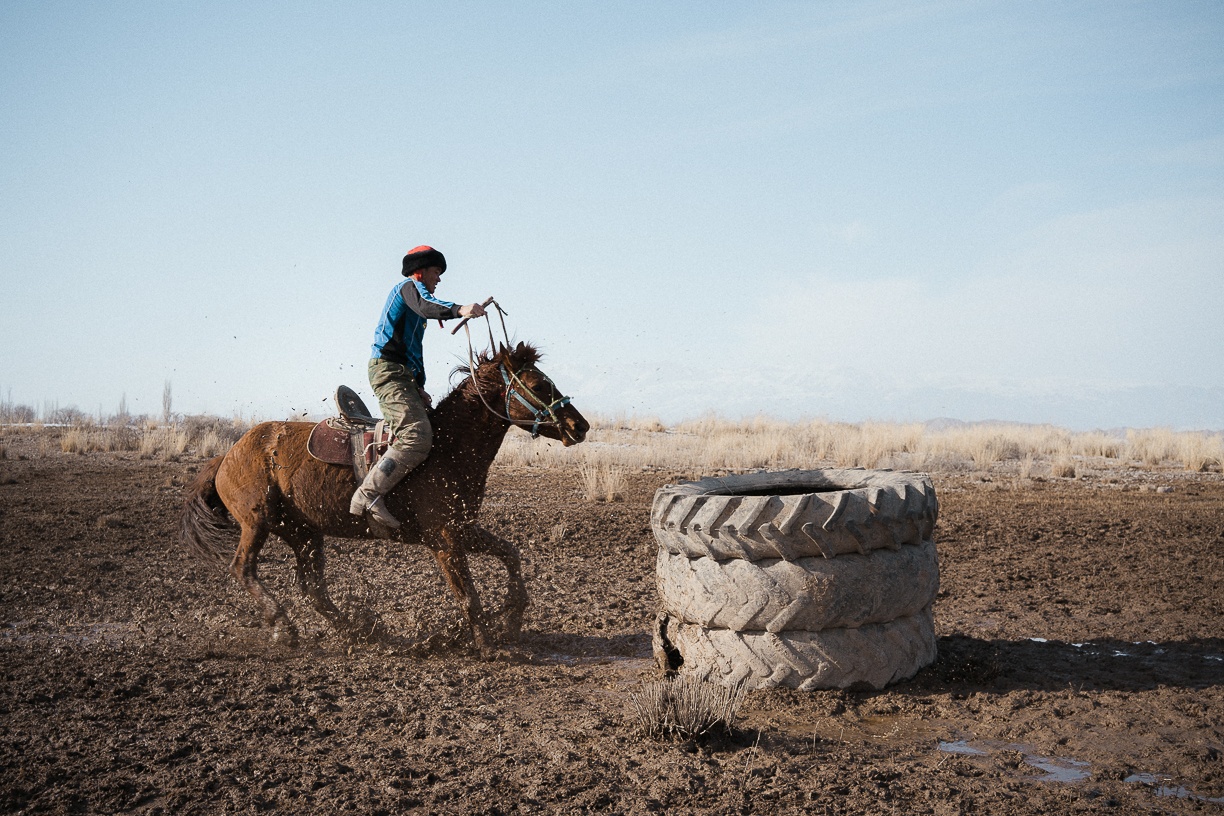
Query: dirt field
{"x":1081,"y":665}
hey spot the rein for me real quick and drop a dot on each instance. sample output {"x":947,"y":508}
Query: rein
{"x":543,"y":413}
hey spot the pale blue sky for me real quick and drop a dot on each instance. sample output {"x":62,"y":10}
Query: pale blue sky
{"x":859,"y":211}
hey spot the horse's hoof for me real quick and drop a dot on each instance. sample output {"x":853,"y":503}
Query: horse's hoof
{"x":285,"y":634}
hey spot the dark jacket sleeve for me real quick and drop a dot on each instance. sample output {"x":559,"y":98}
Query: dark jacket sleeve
{"x":418,"y":299}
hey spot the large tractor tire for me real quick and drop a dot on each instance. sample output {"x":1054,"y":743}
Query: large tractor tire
{"x":794,"y":514}
{"x":871,"y":656}
{"x":806,"y":594}
{"x":802,"y":578}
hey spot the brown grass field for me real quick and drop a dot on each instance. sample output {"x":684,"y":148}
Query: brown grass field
{"x":1080,"y":668}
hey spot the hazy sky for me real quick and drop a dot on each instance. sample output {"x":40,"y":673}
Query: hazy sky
{"x":889,"y":211}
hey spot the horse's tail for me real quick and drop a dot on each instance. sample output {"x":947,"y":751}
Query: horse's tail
{"x":207,"y":528}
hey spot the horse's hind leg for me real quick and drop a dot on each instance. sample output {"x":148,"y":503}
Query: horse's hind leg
{"x":480,"y":540}
{"x":244,"y":567}
{"x":308,"y":549}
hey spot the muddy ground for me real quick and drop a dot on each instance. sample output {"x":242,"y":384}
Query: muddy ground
{"x":1080,"y":669}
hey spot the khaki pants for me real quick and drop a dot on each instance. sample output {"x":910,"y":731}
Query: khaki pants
{"x":400,"y":401}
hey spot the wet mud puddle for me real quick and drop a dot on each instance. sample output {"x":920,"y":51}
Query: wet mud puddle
{"x":1066,"y":769}
{"x":1056,"y":769}
{"x":1163,"y":786}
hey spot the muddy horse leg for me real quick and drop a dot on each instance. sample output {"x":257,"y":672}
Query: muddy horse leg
{"x":454,"y":566}
{"x":308,"y":550}
{"x":244,"y":567}
{"x":480,"y":540}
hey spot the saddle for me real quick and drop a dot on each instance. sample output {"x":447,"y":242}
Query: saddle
{"x":353,"y":438}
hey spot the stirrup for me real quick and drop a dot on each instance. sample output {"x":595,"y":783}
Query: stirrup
{"x":377,"y":511}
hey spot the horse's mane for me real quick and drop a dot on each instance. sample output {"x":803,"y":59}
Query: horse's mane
{"x":486,"y":376}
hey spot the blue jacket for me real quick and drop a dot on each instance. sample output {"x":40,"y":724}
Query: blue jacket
{"x":402,"y":325}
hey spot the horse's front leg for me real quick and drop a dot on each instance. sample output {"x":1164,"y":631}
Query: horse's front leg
{"x":453,"y":562}
{"x":480,"y":540}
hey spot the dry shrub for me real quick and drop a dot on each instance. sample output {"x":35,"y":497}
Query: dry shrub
{"x":213,"y":444}
{"x":1201,"y":452}
{"x":602,"y":481}
{"x":557,"y":534}
{"x":197,"y":425}
{"x":122,"y":438}
{"x":166,"y":443}
{"x":1026,"y":467}
{"x":615,"y":482}
{"x":81,"y":440}
{"x":684,"y":708}
{"x":211,"y":435}
{"x":46,"y":445}
{"x":986,"y":449}
{"x":74,"y":440}
{"x":1063,"y":468}
{"x":3,"y":451}
{"x":1096,"y":443}
{"x":1151,"y":446}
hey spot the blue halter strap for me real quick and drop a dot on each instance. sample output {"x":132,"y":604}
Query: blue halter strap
{"x":542,"y":413}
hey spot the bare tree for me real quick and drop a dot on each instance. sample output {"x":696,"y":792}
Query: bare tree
{"x":167,"y":403}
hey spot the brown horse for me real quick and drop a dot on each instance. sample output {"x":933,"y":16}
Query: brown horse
{"x":268,"y":484}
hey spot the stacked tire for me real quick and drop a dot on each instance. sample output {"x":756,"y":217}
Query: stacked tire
{"x":806,"y":579}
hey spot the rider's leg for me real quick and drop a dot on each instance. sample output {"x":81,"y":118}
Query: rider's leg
{"x":402,"y":407}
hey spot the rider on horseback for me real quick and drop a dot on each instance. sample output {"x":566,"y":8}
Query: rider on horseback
{"x":397,"y":374}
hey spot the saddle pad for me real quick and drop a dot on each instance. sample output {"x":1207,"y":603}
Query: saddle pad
{"x":329,"y":444}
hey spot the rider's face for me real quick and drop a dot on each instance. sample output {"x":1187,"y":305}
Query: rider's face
{"x":429,"y":276}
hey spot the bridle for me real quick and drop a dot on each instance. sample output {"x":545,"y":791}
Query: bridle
{"x":543,"y":414}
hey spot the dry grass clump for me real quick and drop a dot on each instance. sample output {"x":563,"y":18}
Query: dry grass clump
{"x":987,"y":447}
{"x":213,"y":444}
{"x":45,"y":446}
{"x":165,"y":443}
{"x":1095,"y":443}
{"x":1152,"y":445}
{"x":602,"y":481}
{"x":82,"y":440}
{"x":122,"y":438}
{"x":75,"y":440}
{"x":684,"y":708}
{"x":1201,"y":452}
{"x":217,"y":434}
{"x":1063,"y":467}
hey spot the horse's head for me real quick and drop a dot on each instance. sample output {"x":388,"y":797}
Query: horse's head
{"x":517,"y":390}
